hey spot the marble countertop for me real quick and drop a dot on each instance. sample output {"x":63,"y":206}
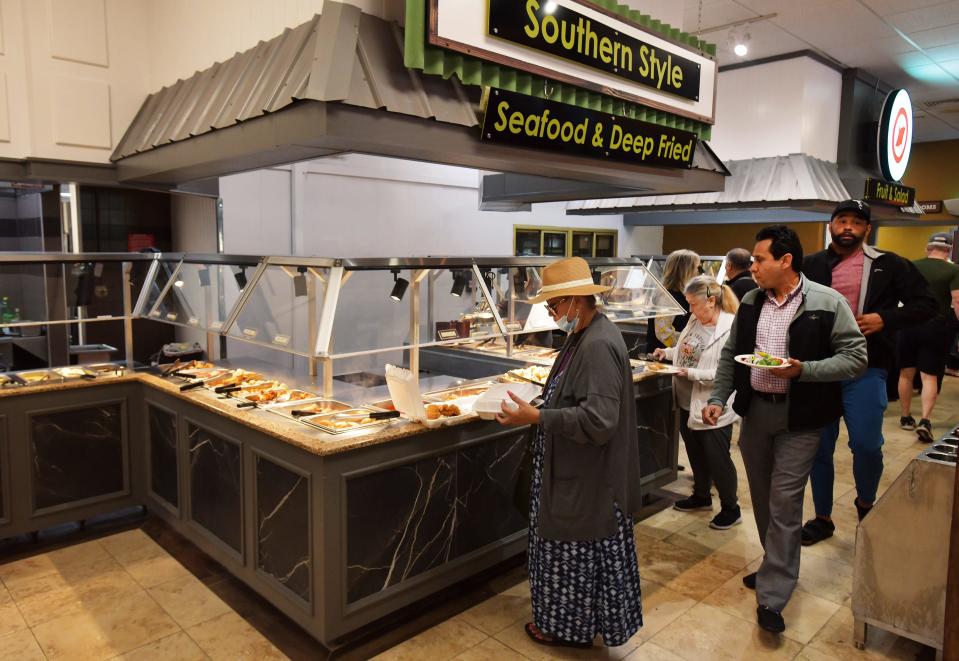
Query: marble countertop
{"x":300,"y":435}
{"x":294,"y":433}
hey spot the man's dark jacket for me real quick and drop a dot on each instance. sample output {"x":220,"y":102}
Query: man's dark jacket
{"x":887,"y":280}
{"x":742,"y":283}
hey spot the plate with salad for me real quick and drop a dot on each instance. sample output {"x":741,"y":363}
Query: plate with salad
{"x":761,"y":360}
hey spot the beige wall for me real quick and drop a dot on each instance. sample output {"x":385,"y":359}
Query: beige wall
{"x":72,"y":75}
{"x":720,"y":239}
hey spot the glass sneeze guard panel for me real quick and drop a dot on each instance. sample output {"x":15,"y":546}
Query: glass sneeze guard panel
{"x":200,"y":295}
{"x":61,"y":291}
{"x":283,"y":308}
{"x":635,"y":294}
{"x":375,"y":309}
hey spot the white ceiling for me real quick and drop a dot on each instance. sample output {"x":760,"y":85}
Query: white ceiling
{"x":905,"y":43}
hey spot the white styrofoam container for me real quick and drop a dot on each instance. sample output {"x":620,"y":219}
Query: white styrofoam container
{"x":490,"y":402}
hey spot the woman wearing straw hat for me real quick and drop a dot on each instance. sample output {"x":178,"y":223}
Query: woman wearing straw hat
{"x":583,"y":574}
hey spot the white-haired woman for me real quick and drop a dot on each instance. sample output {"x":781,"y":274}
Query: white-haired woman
{"x":713,"y":307}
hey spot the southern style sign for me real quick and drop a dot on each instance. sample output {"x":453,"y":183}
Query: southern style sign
{"x":883,"y":192}
{"x":518,"y":119}
{"x":569,"y":34}
{"x":581,"y":43}
{"x":894,"y":142}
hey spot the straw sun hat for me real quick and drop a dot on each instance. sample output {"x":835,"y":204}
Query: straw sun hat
{"x":567,"y":277}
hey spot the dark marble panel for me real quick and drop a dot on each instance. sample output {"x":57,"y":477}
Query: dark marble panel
{"x":486,"y":477}
{"x":164,"y":477}
{"x":283,"y":526}
{"x":400,"y":522}
{"x":654,"y":420}
{"x":77,"y":454}
{"x":215,"y":485}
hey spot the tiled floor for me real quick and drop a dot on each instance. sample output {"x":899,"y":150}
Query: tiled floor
{"x":118,"y":597}
{"x":695,"y":606}
{"x":124,"y":596}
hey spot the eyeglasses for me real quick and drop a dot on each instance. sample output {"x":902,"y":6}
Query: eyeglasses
{"x":552,"y":306}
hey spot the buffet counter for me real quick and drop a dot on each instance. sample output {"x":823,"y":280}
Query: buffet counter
{"x":336,"y":530}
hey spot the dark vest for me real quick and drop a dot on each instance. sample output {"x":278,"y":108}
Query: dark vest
{"x":811,"y":404}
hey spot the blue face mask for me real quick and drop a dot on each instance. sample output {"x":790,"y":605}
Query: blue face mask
{"x":566,"y":324}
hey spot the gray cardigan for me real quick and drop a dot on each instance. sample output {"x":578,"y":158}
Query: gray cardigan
{"x":592,"y":452}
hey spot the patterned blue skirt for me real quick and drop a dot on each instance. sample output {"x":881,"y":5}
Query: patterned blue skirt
{"x":580,"y":589}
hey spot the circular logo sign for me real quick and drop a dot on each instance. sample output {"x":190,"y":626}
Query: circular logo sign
{"x":895,"y":134}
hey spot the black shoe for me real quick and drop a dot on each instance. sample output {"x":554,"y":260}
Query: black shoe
{"x":693,"y":503}
{"x":924,"y":431}
{"x":726,"y":519}
{"x":749,"y":580}
{"x":770,"y":620}
{"x":816,"y":530}
{"x":861,"y":510}
{"x":907,"y":422}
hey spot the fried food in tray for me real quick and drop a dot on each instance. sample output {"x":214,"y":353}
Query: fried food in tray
{"x":317,"y":408}
{"x":437,"y":411}
{"x":534,"y":373}
{"x":457,"y":393}
{"x":331,"y":423}
{"x":236,"y":378}
{"x":277,"y":396}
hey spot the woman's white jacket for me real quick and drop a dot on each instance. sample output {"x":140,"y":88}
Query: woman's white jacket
{"x":704,"y":373}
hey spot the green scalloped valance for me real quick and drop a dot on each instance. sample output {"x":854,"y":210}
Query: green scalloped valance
{"x":418,"y":54}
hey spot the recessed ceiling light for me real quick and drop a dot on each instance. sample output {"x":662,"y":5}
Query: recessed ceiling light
{"x":549,"y":7}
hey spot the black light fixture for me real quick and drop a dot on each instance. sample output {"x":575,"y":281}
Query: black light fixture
{"x":240,"y":277}
{"x":204,"y":274}
{"x":299,"y":282}
{"x":597,"y":277}
{"x":520,"y":278}
{"x":459,"y":283}
{"x":399,"y":285}
{"x":488,"y":277}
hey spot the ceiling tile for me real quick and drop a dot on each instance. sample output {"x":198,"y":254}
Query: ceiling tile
{"x":930,"y":128}
{"x":945,"y":35}
{"x":926,"y":18}
{"x":890,"y":7}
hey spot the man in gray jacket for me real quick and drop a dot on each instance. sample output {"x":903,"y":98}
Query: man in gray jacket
{"x":785,"y":408}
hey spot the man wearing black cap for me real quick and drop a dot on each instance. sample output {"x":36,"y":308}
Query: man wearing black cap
{"x":887,"y":294}
{"x":926,"y":347}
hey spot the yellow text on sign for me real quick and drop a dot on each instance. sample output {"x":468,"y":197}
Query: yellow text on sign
{"x":540,"y":126}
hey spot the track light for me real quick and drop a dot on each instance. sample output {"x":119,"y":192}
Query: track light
{"x":739,"y":40}
{"x":299,"y":282}
{"x":459,"y":283}
{"x":178,"y":283}
{"x":240,"y":277}
{"x":399,"y":286}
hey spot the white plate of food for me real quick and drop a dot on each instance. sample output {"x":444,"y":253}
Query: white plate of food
{"x":654,"y":367}
{"x":761,"y":360}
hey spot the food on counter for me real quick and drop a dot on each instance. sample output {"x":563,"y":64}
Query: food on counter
{"x":236,"y":378}
{"x":343,"y":420}
{"x":437,"y":411}
{"x":319,"y":408}
{"x":35,"y":377}
{"x":345,"y":424}
{"x":72,"y":372}
{"x":462,"y":392}
{"x":277,"y":396}
{"x":196,"y":365}
{"x":657,"y":367}
{"x":535,"y":373}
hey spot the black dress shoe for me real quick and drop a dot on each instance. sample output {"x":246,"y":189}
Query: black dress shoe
{"x":749,"y":580}
{"x":770,"y":620}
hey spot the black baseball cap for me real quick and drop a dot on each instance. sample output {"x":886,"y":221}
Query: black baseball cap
{"x":941,"y":240}
{"x":857,"y":207}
